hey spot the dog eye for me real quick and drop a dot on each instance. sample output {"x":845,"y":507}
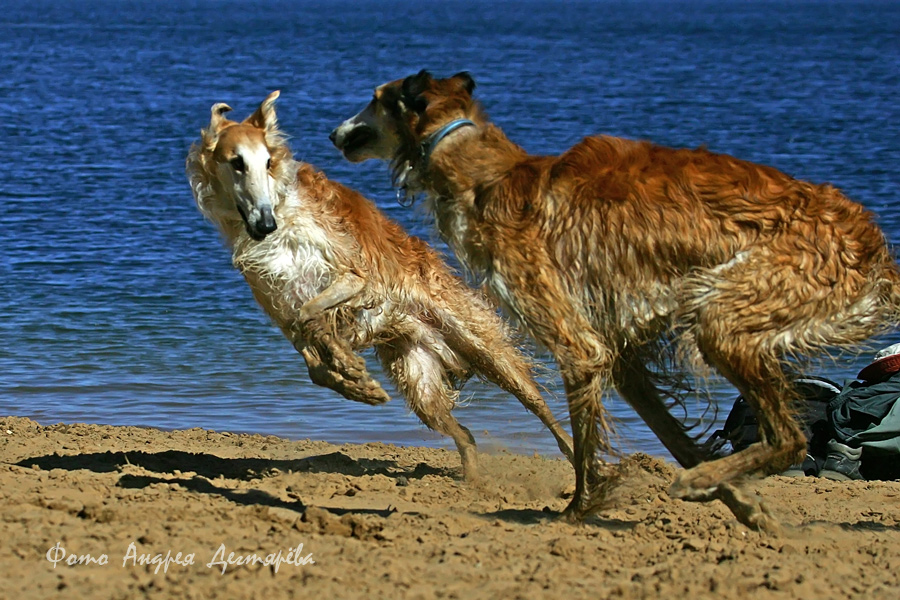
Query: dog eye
{"x":237,"y":163}
{"x":269,"y":165}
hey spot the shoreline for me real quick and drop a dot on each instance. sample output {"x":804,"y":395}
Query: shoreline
{"x":378,"y":520}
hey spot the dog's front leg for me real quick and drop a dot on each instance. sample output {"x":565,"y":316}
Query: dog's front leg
{"x":330,"y":359}
{"x":340,"y":291}
{"x":333,"y":364}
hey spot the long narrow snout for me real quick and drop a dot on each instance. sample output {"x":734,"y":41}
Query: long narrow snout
{"x":355,"y":139}
{"x":259,"y":221}
{"x":263,"y":225}
{"x":253,"y":195}
{"x":251,"y":185}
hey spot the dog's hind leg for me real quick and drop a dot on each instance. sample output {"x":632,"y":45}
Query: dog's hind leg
{"x":522,"y":386}
{"x":421,"y":377}
{"x":744,"y":318}
{"x":781,"y":439}
{"x":764,"y":385}
{"x":634,"y":384}
{"x":492,"y":355}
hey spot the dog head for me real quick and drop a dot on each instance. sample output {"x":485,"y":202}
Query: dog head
{"x":242,"y":160}
{"x":403,"y":113}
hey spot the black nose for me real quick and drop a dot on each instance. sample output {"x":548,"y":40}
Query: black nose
{"x":332,"y":135}
{"x":267,"y":225}
{"x":261,"y":229}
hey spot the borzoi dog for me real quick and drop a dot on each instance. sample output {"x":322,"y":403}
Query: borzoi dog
{"x":617,"y":249}
{"x":336,"y":275}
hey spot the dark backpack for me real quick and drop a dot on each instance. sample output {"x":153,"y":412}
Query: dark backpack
{"x":741,"y":427}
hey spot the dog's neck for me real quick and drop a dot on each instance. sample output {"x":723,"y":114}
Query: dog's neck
{"x":457,"y":171}
{"x":468,"y":159}
{"x":430,"y":143}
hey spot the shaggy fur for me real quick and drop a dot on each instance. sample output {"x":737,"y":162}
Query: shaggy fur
{"x":310,"y":247}
{"x":614,"y":247}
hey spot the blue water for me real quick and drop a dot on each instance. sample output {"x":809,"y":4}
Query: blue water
{"x":118,"y":303}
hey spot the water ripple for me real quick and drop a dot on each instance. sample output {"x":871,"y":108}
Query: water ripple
{"x":119,"y":304}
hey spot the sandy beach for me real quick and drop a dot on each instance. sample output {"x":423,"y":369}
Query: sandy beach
{"x":94,"y":511}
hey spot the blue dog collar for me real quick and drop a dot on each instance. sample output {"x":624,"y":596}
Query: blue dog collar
{"x":431,"y":141}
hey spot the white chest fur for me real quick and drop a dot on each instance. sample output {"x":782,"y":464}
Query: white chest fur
{"x":287,"y":268}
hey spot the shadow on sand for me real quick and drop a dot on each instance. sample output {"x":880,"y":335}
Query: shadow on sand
{"x":208,"y":468}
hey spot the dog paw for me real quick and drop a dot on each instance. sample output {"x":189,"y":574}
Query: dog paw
{"x":692,"y":485}
{"x":682,"y":491}
{"x":748,"y":510}
{"x":580,"y":507}
{"x":573,"y":514}
{"x":346,"y":377}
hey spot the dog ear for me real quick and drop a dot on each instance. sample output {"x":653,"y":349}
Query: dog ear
{"x":466,"y":80}
{"x":413,"y":87}
{"x":265,"y":117}
{"x":218,"y":120}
